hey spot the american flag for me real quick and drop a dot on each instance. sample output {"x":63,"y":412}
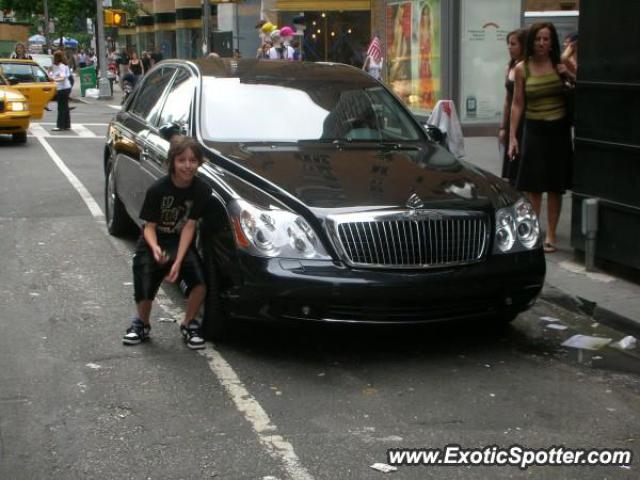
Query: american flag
{"x":374,"y":50}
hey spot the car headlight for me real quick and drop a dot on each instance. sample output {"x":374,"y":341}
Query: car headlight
{"x":17,"y":106}
{"x":517,"y":228}
{"x":274,"y":232}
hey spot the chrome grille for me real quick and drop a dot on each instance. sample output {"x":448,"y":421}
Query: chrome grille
{"x":415,"y":239}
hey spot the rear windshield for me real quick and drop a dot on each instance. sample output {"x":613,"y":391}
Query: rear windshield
{"x":238,"y":111}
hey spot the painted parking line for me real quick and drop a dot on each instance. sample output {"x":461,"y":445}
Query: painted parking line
{"x":266,"y":431}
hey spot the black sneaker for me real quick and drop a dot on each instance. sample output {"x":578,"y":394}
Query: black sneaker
{"x":192,"y":335}
{"x":137,"y":333}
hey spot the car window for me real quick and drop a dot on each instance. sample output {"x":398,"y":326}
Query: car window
{"x":39,"y":74}
{"x":22,"y":72}
{"x":148,"y":100}
{"x":177,"y":106}
{"x":315,"y":110}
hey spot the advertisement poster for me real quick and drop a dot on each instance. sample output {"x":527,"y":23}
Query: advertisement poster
{"x":413,"y":48}
{"x":484,"y":57}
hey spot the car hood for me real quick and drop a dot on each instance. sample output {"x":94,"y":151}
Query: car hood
{"x":8,"y":94}
{"x":359,"y":177}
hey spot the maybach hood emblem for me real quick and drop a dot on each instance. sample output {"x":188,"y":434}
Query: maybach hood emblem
{"x":414,"y":202}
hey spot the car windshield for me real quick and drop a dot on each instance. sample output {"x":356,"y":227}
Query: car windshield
{"x":23,"y":72}
{"x":234,"y":110}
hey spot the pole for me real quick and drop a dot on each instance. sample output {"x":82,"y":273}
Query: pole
{"x":206,"y":17}
{"x":46,"y":24}
{"x":103,"y":83}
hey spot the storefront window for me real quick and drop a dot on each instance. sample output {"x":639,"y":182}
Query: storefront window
{"x":484,"y":57}
{"x":333,"y":36}
{"x":413,"y":51}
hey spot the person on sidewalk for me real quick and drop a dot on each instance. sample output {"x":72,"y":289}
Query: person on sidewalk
{"x":546,"y":153}
{"x":123,"y":66}
{"x":136,"y":66}
{"x":165,"y":250}
{"x":60,"y":73}
{"x":515,"y":42}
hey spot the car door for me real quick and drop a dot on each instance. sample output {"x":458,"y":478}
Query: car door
{"x":140,"y":115}
{"x":176,"y":109}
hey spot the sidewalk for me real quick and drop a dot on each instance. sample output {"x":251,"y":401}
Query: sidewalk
{"x":607,"y":298}
{"x":76,"y":97}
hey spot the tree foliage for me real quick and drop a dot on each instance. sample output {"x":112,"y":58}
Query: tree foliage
{"x":68,"y":15}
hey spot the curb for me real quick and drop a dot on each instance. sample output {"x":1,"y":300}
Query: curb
{"x":591,"y":309}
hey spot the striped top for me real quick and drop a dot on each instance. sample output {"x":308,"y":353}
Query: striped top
{"x":544,"y":96}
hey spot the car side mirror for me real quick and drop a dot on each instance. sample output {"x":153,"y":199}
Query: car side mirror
{"x":13,"y":80}
{"x":435,"y":134}
{"x":168,"y":130}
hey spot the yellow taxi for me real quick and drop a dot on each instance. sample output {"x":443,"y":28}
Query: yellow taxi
{"x":14,"y":113}
{"x":31,"y":80}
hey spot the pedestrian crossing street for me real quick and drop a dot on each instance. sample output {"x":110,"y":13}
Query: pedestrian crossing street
{"x":78,"y":130}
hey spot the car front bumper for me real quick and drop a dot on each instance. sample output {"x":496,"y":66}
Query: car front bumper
{"x":276,"y":289}
{"x":14,"y":122}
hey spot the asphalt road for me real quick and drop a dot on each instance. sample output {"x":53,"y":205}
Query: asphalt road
{"x":275,"y":403}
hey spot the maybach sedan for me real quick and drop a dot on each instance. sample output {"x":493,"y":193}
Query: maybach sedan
{"x":329,"y":201}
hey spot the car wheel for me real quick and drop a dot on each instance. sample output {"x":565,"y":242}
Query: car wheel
{"x":20,"y":137}
{"x":503,"y":319}
{"x":215,"y":325}
{"x":118,"y":221}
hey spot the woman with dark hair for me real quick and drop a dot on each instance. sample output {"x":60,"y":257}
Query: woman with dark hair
{"x":60,"y":74}
{"x":546,"y":151}
{"x":515,"y":41}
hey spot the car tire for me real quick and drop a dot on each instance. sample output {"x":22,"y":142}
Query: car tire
{"x":118,"y":221}
{"x":20,"y":137}
{"x":505,"y":318}
{"x":215,"y":324}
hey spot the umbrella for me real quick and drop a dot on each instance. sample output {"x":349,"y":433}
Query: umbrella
{"x":37,"y":39}
{"x":68,"y":42}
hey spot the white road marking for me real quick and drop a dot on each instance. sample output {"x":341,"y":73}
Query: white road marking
{"x":87,"y":124}
{"x":82,"y":131}
{"x":37,"y":130}
{"x":275,"y":445}
{"x":93,"y":207}
{"x":79,"y":129}
{"x":116,"y":107}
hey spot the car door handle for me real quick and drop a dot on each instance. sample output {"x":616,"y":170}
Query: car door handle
{"x":46,"y":89}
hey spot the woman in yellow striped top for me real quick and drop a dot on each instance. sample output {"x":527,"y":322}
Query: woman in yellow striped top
{"x":546,"y":152}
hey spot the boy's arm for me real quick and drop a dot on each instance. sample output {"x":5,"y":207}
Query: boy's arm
{"x":186,"y":237}
{"x":151,"y":237}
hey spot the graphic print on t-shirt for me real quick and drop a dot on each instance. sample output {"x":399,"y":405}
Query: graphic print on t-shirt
{"x":173,"y":217}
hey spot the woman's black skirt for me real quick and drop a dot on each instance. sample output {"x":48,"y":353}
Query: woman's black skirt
{"x":546,"y":157}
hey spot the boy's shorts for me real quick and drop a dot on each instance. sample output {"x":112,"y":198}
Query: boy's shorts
{"x":148,"y":274}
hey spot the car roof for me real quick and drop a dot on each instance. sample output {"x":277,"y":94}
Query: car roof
{"x":270,"y":70}
{"x":18,"y":60}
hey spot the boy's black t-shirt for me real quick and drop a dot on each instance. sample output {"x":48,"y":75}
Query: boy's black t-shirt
{"x":170,"y":207}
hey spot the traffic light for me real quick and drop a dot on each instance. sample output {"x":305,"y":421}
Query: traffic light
{"x":115,"y":18}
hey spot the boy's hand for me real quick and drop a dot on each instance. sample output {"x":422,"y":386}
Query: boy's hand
{"x":172,"y":276}
{"x":160,"y":255}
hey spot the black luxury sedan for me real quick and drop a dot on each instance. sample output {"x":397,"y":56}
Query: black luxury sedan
{"x":329,"y":201}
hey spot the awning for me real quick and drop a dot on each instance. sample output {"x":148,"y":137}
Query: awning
{"x":322,"y":5}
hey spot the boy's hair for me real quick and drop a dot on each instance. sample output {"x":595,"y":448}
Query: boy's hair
{"x":179,"y":144}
